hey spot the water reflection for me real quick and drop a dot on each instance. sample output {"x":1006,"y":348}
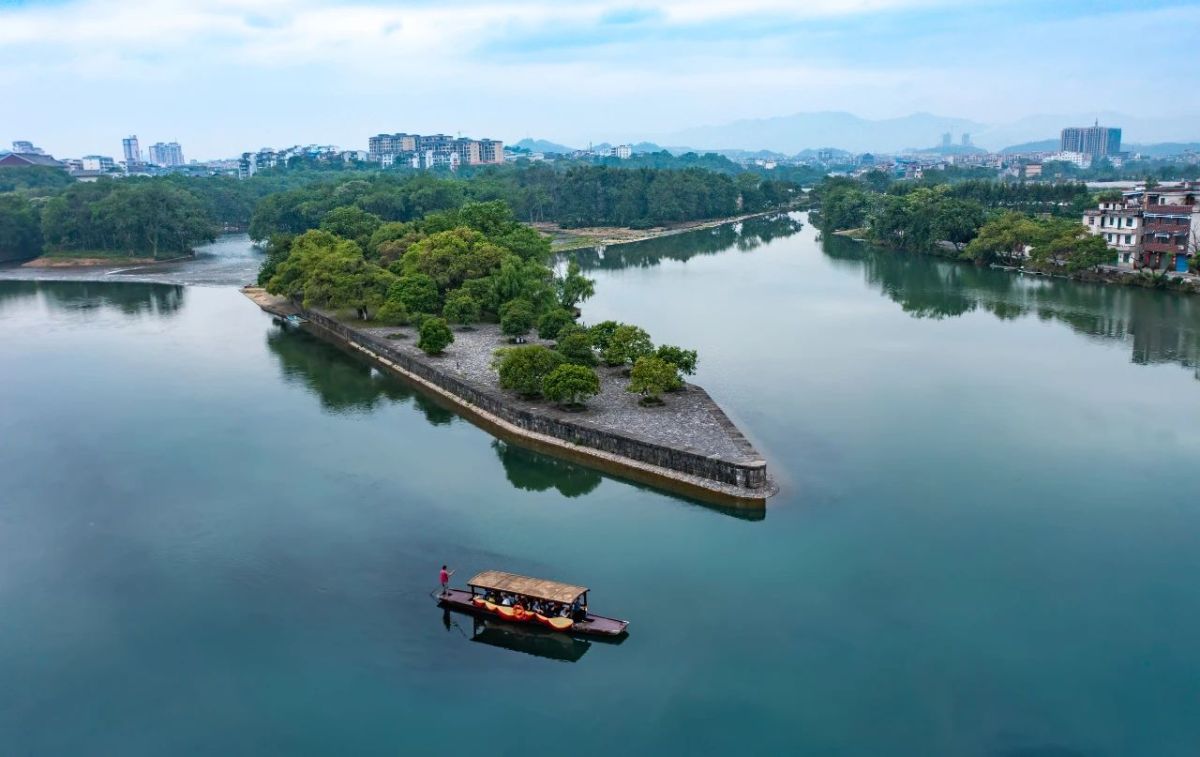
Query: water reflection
{"x":531,"y":641}
{"x":344,"y":383}
{"x":68,"y":296}
{"x":533,"y":472}
{"x":744,"y":236}
{"x":1160,"y":327}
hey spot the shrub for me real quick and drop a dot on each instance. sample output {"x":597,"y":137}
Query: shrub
{"x":523,"y":369}
{"x":516,"y":317}
{"x":571,"y":384}
{"x":576,"y":348}
{"x":651,"y":376}
{"x":626,"y":345}
{"x":602,"y":332}
{"x":435,"y":336}
{"x":552,"y":322}
{"x":392,"y":312}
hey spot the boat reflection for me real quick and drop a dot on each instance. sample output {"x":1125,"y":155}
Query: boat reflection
{"x":524,"y":639}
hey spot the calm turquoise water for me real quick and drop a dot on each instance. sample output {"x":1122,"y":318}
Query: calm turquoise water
{"x":217,"y":537}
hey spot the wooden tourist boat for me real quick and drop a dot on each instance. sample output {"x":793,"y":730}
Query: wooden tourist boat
{"x":526,"y":595}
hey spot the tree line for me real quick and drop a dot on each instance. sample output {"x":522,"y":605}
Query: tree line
{"x":984,"y":221}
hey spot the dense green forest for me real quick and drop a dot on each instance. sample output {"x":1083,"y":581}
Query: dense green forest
{"x":576,"y":196}
{"x":974,"y":219}
{"x":44,"y":210}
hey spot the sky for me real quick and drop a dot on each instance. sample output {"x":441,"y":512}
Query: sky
{"x":225,"y":76}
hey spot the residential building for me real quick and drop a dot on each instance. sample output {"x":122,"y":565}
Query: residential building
{"x":102,"y":163}
{"x":168,"y":154}
{"x":428,"y":151}
{"x":1093,"y":140}
{"x":1081,"y":159}
{"x":623,"y":152}
{"x":131,"y":150}
{"x":966,"y":139}
{"x":1150,"y":227}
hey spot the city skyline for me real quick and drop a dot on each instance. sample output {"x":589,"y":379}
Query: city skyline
{"x":228,"y":76}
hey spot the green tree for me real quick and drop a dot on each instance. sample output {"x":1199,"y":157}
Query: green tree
{"x":577,"y":348}
{"x":651,"y":376}
{"x":523,"y":369}
{"x":461,"y":308}
{"x":435,"y":336}
{"x":570,"y":384}
{"x":452,"y":257}
{"x":552,"y":321}
{"x":573,"y":288}
{"x":684,"y":360}
{"x":351,"y":222}
{"x":626,"y":345}
{"x":418,"y":292}
{"x":516,"y":317}
{"x":20,"y":228}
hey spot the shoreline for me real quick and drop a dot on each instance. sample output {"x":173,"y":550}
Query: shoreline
{"x":1171,"y":281}
{"x":736,"y":480}
{"x":55,"y":262}
{"x":568,"y":239}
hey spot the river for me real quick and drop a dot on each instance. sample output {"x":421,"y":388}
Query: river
{"x":220,"y":537}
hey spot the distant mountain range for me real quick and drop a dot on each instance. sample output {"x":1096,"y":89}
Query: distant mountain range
{"x":803,"y":133}
{"x":800,"y":131}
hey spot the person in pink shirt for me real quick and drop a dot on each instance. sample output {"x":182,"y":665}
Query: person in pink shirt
{"x":444,"y":579}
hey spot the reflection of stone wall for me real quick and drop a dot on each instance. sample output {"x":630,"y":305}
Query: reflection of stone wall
{"x":751,"y":476}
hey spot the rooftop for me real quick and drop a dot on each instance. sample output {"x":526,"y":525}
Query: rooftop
{"x":537,"y":588}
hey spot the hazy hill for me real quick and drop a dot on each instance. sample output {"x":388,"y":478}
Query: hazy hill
{"x":542,"y":145}
{"x":794,"y":133}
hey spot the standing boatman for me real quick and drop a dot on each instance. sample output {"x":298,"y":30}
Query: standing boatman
{"x":444,"y":579}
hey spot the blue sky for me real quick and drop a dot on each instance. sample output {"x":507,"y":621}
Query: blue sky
{"x":223,"y":76}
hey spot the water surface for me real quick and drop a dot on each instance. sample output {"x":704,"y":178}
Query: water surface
{"x":217,"y":536}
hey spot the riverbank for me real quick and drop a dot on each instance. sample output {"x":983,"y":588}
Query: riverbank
{"x":688,"y":445}
{"x":1170,"y":281}
{"x":565,"y":239}
{"x":94,"y":261}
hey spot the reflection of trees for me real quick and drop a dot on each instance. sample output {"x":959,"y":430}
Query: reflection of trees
{"x":1162,"y":327}
{"x":344,"y":382}
{"x":532,"y":472}
{"x":745,"y":236}
{"x":126,"y":297}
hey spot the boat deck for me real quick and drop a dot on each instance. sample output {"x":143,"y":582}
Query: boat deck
{"x":592,"y":625}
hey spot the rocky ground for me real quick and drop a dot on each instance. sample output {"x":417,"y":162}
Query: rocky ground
{"x":689,"y":419}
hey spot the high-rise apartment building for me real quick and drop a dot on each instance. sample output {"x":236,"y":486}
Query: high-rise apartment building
{"x":1095,"y":140}
{"x":433,"y":150}
{"x":166,"y":154}
{"x":133,"y":153}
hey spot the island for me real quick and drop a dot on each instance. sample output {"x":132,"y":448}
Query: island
{"x":686,"y":445}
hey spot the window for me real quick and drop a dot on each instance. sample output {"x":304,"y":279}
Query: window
{"x":1091,"y":221}
{"x":1128,"y":239}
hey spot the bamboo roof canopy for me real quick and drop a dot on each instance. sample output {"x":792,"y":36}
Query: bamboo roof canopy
{"x":529,"y":587}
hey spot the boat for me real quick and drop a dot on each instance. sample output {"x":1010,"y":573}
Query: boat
{"x":481,"y":599}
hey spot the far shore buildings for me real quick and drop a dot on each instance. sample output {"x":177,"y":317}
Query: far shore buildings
{"x":1151,"y":227}
{"x":432,"y":151}
{"x":167,"y":154}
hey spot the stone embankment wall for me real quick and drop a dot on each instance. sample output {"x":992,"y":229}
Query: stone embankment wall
{"x":748,"y":478}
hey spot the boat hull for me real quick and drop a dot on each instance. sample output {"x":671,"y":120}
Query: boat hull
{"x":591,"y":625}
